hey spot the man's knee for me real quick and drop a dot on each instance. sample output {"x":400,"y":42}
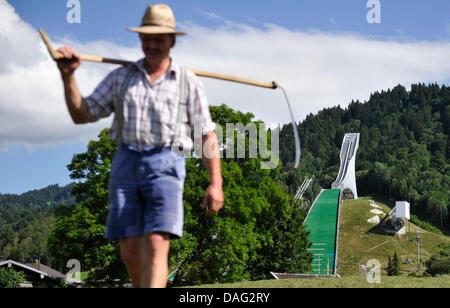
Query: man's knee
{"x":131,"y":250}
{"x":158,"y":244}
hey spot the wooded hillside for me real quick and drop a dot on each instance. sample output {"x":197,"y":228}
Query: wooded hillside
{"x":404,"y":147}
{"x":27,"y":220}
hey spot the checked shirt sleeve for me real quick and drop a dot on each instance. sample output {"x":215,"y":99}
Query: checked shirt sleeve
{"x":101,"y":102}
{"x":199,"y":113}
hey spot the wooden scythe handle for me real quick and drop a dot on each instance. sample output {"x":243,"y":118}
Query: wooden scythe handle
{"x":270,"y":85}
{"x":58,"y":56}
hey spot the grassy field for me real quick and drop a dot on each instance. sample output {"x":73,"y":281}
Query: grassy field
{"x":342,"y":282}
{"x":361,"y":241}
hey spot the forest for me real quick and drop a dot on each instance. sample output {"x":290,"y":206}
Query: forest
{"x":27,"y":220}
{"x":403,"y":155}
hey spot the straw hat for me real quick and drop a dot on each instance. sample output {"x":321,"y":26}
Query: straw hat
{"x":158,"y":19}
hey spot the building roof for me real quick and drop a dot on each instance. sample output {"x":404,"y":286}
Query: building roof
{"x":41,"y":269}
{"x":46,"y":269}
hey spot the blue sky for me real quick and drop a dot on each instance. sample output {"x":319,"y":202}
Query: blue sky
{"x":107,"y":19}
{"x":301,"y":43}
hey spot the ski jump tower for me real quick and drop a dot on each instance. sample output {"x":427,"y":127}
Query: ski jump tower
{"x":346,"y":179}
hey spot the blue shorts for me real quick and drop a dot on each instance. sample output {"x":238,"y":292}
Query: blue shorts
{"x":146,"y":193}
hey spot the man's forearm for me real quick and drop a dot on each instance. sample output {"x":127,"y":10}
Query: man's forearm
{"x":77,"y":107}
{"x":211,"y":158}
{"x":214,"y":169}
{"x":214,"y":193}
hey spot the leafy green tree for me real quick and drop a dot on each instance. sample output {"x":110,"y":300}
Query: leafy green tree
{"x":258,"y":231}
{"x":10,"y":278}
{"x":79,"y":234}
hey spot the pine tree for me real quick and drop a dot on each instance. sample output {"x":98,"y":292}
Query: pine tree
{"x":389,"y":267}
{"x":395,"y":265}
{"x":393,"y":268}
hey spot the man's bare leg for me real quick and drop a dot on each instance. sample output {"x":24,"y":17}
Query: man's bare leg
{"x":155,"y":265}
{"x":132,"y":253}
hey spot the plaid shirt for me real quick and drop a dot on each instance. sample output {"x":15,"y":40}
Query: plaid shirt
{"x":150,"y":110}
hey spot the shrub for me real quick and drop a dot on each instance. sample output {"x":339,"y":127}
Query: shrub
{"x":438,"y":265}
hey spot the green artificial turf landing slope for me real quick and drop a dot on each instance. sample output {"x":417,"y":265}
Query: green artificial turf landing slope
{"x":321,"y":222}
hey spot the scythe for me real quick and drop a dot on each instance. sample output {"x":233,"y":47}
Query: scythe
{"x":270,"y":85}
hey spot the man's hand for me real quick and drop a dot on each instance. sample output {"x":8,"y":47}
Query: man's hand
{"x":214,"y":194}
{"x":68,"y":66}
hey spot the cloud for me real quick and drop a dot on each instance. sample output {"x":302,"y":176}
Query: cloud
{"x":32,"y":106}
{"x":17,"y":46}
{"x":317,"y":69}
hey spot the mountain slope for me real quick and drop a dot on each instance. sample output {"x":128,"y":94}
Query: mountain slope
{"x":27,"y":220}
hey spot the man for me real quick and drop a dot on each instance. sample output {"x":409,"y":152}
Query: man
{"x":152,"y":116}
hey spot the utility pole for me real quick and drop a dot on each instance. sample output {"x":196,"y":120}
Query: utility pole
{"x":418,"y":249}
{"x":409,"y":221}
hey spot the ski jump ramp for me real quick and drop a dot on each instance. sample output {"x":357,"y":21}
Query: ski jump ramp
{"x":346,"y":179}
{"x":324,"y":215}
